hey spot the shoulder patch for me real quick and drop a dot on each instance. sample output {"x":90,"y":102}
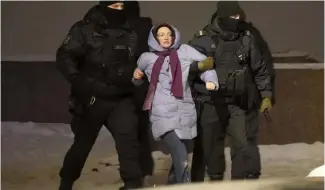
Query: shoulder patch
{"x":200,"y":33}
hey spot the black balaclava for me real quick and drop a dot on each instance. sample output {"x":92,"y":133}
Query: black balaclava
{"x":114,"y":17}
{"x":225,"y":9}
{"x":132,"y":9}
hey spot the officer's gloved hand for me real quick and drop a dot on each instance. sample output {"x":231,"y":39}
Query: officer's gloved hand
{"x":266,"y":105}
{"x":206,"y":64}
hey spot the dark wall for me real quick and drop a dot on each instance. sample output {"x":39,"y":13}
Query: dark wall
{"x":36,"y":91}
{"x":33,"y":91}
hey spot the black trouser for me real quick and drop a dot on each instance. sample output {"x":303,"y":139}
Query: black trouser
{"x":215,"y":121}
{"x":120,"y":119}
{"x":146,"y":159}
{"x":145,"y":135}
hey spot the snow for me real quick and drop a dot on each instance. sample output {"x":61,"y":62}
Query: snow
{"x":32,"y":154}
{"x":317,"y":172}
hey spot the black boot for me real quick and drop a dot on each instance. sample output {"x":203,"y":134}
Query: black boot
{"x":65,"y":185}
{"x":130,"y":186}
{"x":253,"y":176}
{"x":124,"y":188}
{"x":147,"y":181}
{"x":218,"y":177}
{"x":127,"y":187}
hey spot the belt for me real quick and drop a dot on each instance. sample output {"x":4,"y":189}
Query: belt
{"x":215,"y":100}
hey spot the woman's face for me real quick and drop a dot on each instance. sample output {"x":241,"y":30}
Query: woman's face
{"x":164,"y":36}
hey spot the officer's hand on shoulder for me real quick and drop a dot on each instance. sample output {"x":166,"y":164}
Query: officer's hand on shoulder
{"x":210,"y":85}
{"x":206,"y":64}
{"x":266,"y":105}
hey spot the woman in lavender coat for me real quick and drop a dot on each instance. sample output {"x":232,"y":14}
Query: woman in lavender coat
{"x":169,"y":99}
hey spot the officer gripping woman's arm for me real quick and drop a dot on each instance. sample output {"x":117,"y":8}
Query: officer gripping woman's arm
{"x":260,"y":69}
{"x":261,"y":88}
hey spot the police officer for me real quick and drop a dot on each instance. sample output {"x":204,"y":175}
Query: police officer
{"x":245,"y":88}
{"x":97,"y":58}
{"x":142,"y":26}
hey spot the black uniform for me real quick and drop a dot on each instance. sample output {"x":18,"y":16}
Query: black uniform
{"x":97,"y":58}
{"x":142,"y":26}
{"x":235,"y":115}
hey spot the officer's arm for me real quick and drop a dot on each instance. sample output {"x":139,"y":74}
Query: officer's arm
{"x":267,"y":55}
{"x":142,"y":30}
{"x":263,"y":47}
{"x":68,"y":56}
{"x":70,"y":51}
{"x":262,"y":74}
{"x":202,"y":43}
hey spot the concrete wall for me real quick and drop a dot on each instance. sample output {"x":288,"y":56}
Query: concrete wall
{"x":32,"y":31}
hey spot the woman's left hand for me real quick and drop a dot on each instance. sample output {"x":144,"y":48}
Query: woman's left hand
{"x":210,"y":85}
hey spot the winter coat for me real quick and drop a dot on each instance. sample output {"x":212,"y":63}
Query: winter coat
{"x":169,"y":113}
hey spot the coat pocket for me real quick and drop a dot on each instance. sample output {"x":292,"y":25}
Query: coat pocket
{"x":164,"y":110}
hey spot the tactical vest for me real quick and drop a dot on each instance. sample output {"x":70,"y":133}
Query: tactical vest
{"x":111,"y":57}
{"x":120,"y":65}
{"x":232,"y":59}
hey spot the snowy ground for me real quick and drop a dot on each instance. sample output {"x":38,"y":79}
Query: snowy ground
{"x":32,"y":155}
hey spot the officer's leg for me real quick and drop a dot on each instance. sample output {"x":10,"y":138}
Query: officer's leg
{"x":146,"y":159}
{"x":145,"y":135}
{"x":123,"y":124}
{"x":237,"y":132}
{"x":217,"y":163}
{"x":198,"y":165}
{"x":205,"y":146}
{"x":86,"y":130}
{"x":253,"y":153}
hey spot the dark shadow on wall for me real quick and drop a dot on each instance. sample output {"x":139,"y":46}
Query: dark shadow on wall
{"x":33,"y":91}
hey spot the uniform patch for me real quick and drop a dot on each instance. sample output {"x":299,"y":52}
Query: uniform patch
{"x":200,"y":33}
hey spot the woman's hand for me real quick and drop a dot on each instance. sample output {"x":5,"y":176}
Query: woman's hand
{"x":210,"y":85}
{"x":137,"y":74}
